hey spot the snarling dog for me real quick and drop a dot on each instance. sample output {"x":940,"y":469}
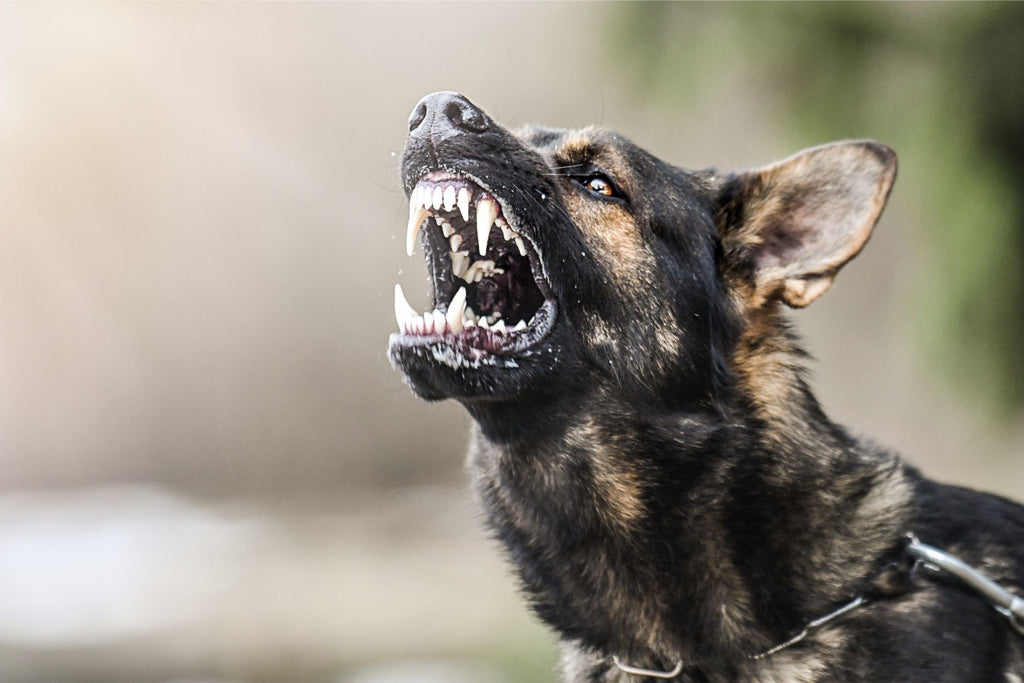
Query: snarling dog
{"x":645,"y":444}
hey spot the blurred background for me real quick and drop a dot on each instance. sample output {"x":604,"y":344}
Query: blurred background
{"x":208,"y":470}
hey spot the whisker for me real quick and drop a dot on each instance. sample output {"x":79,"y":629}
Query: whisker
{"x":563,"y":168}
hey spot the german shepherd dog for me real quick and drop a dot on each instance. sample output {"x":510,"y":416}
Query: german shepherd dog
{"x":645,"y":444}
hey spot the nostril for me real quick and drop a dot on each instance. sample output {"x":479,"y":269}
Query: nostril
{"x":465,"y":116}
{"x":417,"y":116}
{"x":454,"y":112}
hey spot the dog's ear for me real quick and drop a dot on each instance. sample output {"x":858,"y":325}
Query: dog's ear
{"x":792,"y":225}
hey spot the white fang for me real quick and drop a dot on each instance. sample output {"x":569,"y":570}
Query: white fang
{"x":403,"y":311}
{"x":486,"y":212}
{"x":456,"y":309}
{"x":417,"y":214}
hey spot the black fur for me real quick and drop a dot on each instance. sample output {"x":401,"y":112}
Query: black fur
{"x":656,"y":466}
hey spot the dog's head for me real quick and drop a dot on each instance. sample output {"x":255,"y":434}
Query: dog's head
{"x":565,"y":262}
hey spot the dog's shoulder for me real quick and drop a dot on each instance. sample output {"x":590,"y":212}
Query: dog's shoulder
{"x":983,"y":529}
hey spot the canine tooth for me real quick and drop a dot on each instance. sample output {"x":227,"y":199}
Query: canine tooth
{"x":463,"y":202}
{"x":460,"y":262}
{"x":417,"y":214}
{"x":521,"y":325}
{"x":455,"y":311}
{"x":437,"y":198}
{"x":449,"y":198}
{"x":439,"y":321}
{"x":486,"y":212}
{"x":522,"y":246}
{"x":455,"y":241}
{"x":403,"y":311}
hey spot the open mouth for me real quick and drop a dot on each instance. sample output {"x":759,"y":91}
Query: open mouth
{"x":491,"y":298}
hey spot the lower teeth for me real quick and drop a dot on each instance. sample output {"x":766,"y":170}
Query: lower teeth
{"x":437,"y":323}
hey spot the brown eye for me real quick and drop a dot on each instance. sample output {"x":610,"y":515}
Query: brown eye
{"x":599,"y":185}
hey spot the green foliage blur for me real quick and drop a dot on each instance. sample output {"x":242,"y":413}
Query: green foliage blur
{"x":941,"y":83}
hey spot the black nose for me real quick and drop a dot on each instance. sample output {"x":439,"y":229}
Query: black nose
{"x":443,"y":114}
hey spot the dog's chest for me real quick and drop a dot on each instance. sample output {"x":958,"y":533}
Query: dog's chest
{"x":808,"y":664}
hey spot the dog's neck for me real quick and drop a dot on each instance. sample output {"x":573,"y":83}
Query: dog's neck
{"x":640,"y":531}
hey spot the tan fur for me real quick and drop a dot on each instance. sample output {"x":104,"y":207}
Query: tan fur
{"x":619,"y":486}
{"x":764,"y":364}
{"x":795,"y":191}
{"x":615,"y":242}
{"x":577,"y":146}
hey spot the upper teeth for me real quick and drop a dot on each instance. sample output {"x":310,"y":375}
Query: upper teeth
{"x":417,"y":214}
{"x":478,"y":270}
{"x":424,"y":202}
{"x":463,"y":202}
{"x":460,"y":263}
{"x":486,"y":212}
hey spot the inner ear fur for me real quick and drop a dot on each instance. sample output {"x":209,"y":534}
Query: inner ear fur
{"x":789,"y":227}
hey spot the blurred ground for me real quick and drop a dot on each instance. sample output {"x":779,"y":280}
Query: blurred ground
{"x":135,"y":584}
{"x":208,"y":471}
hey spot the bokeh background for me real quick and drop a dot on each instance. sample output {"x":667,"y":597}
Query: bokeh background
{"x":208,"y":470}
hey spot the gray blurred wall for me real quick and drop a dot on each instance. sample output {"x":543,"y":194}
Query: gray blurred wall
{"x":200,"y":229}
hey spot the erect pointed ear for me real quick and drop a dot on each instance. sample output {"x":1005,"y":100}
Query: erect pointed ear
{"x":791,"y":226}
